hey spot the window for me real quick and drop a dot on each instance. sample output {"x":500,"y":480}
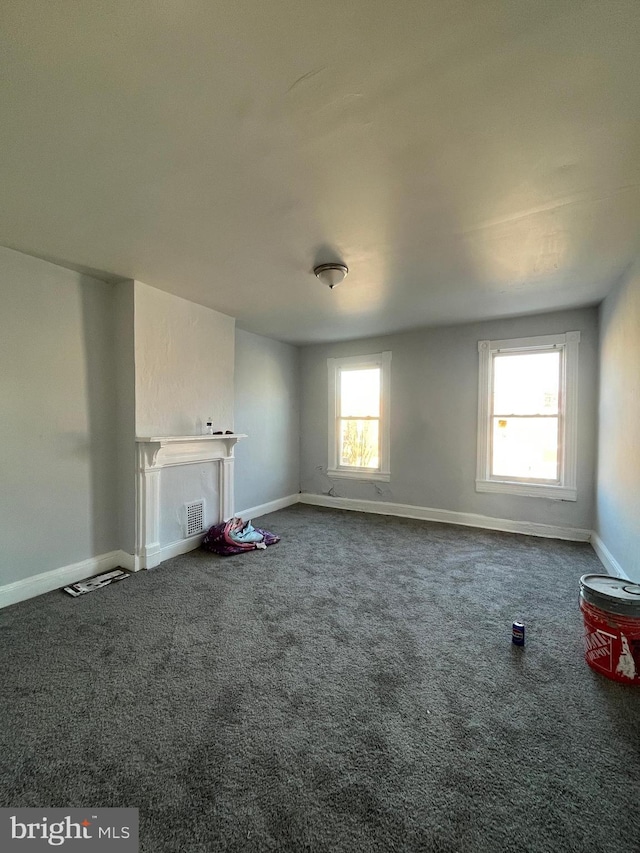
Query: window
{"x":359,"y":416}
{"x":527,"y":416}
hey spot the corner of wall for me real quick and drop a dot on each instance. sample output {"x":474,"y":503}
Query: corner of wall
{"x":617,"y":526}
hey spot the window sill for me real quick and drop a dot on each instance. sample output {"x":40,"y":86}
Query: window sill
{"x":530,"y":490}
{"x":378,"y":476}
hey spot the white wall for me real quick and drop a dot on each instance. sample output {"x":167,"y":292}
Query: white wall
{"x":434,"y":400}
{"x":57,"y":428}
{"x":183,"y":364}
{"x":181,"y":485}
{"x":618,"y":483}
{"x":267,"y":404}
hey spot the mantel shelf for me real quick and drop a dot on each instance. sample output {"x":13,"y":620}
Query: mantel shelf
{"x":162,"y":451}
{"x":172,"y":439}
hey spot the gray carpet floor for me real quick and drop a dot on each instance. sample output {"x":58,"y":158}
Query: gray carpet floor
{"x":353,"y":688}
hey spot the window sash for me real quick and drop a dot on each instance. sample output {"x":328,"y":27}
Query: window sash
{"x":336,"y":366}
{"x":493,"y":416}
{"x":342,"y":416}
{"x":339,"y":450}
{"x":351,"y":370}
{"x":510,"y":476}
{"x":565,"y":488}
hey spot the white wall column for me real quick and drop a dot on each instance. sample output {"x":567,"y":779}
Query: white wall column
{"x":227,"y":502}
{"x":148,"y":538}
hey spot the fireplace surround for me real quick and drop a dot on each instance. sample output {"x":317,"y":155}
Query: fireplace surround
{"x":157,"y":452}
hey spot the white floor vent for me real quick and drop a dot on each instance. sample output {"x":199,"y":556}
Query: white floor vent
{"x":194,"y":513}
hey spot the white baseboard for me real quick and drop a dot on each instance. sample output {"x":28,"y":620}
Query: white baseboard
{"x":134,"y":563}
{"x":47,"y":581}
{"x":20,"y":590}
{"x":271,"y":506}
{"x":130,"y":562}
{"x":182,"y":546}
{"x":466,"y":519}
{"x":607,"y":559}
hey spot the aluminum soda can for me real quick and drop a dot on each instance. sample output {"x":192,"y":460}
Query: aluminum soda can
{"x":517,"y":633}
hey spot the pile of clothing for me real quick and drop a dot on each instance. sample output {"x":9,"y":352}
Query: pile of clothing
{"x":236,"y":536}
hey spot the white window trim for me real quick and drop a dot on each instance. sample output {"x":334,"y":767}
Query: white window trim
{"x":383,"y":472}
{"x":567,"y":488}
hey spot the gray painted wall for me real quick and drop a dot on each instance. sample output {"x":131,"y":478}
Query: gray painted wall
{"x":68,"y":391}
{"x":618,"y":506}
{"x":58,"y":391}
{"x":126,"y":408}
{"x":434,"y":399}
{"x":267,"y":408}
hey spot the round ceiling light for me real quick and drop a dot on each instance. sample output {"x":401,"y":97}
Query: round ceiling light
{"x":331,"y":274}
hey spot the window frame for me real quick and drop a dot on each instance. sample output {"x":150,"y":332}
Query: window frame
{"x":360,"y":362}
{"x":566,"y":488}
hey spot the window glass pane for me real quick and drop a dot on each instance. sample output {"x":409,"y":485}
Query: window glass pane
{"x":525,"y":448}
{"x":526,"y":384}
{"x":360,"y":393}
{"x":359,"y":443}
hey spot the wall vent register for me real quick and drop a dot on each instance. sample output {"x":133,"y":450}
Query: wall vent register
{"x":194,"y":518}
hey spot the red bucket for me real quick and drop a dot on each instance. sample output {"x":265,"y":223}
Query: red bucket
{"x":611,"y":613}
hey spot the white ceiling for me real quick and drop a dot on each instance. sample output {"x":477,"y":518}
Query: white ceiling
{"x":465,"y":158}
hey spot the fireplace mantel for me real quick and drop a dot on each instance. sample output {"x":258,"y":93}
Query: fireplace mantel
{"x":158,"y":452}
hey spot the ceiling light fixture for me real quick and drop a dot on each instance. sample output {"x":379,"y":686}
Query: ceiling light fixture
{"x":331,"y":274}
